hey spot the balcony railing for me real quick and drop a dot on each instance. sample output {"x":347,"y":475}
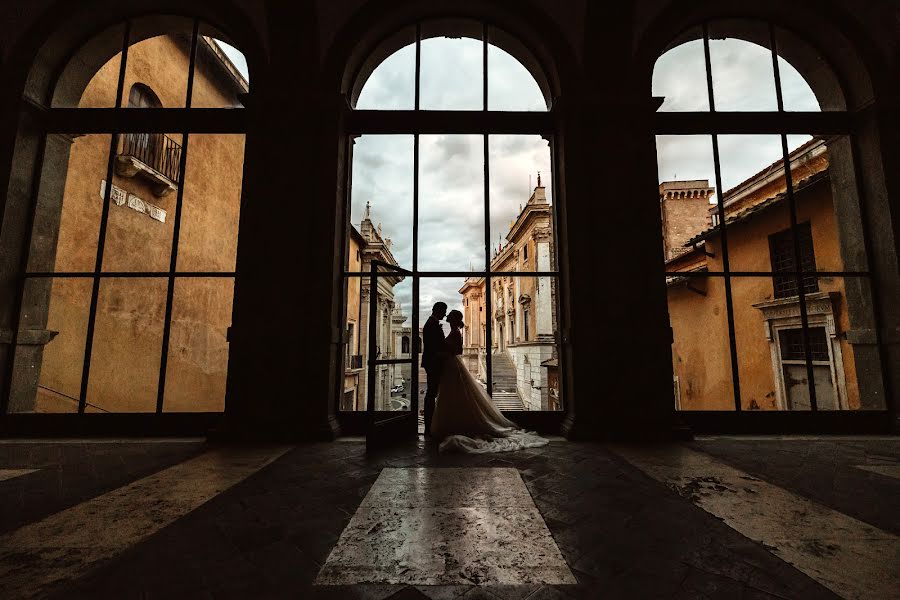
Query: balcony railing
{"x":157,"y":151}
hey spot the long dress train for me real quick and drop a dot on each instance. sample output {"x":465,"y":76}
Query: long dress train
{"x":466,"y":420}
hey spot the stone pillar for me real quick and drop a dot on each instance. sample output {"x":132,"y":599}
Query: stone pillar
{"x":287,"y":336}
{"x":543,"y":304}
{"x":519,"y":334}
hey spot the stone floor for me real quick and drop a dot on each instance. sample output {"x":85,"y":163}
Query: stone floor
{"x":731,"y":517}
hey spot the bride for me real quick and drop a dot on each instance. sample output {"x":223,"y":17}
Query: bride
{"x":464,"y":418}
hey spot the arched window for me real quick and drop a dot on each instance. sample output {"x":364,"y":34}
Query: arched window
{"x":126,"y":299}
{"x":767,"y":272}
{"x":142,"y":96}
{"x":445,"y":188}
{"x":404,"y":345}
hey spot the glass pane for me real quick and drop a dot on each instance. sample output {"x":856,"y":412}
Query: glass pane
{"x":393,"y":340}
{"x":679,"y":76}
{"x":772,"y":348}
{"x":127,"y":345}
{"x":211,"y":207}
{"x":843,"y":309}
{"x":197,"y":365}
{"x":510,"y":85}
{"x":741,"y":62}
{"x":687,"y":197}
{"x":220,"y":74}
{"x":756,"y":343}
{"x":757,"y":214}
{"x":827,"y":197}
{"x":91,"y":77}
{"x":701,"y":356}
{"x":353,"y":395}
{"x":801,"y":68}
{"x":522,"y":220}
{"x":381,"y":202}
{"x":524,"y":354}
{"x":449,"y":291}
{"x":142,"y":208}
{"x":159,"y":58}
{"x":50,"y":352}
{"x":392,"y":83}
{"x":69,"y":204}
{"x":451,"y":203}
{"x":451,"y":75}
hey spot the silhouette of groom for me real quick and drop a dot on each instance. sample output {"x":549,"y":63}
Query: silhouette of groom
{"x":433,"y":354}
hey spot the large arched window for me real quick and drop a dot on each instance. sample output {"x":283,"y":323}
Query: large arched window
{"x":125,"y":299}
{"x":451,"y":195}
{"x":767,"y":270}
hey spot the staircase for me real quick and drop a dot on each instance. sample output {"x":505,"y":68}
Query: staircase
{"x":503,"y":374}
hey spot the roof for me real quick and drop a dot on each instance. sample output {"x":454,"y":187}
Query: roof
{"x":776,"y":166}
{"x":748,"y":213}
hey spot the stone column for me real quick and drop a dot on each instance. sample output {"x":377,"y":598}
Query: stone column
{"x":543,"y":304}
{"x":520,"y":331}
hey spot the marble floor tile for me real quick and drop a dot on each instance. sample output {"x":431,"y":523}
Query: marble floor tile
{"x":446,"y":526}
{"x":66,"y":544}
{"x":13,"y":473}
{"x":850,"y":557}
{"x":886,"y":470}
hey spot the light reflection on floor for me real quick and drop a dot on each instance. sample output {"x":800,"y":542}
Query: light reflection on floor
{"x":446,"y":526}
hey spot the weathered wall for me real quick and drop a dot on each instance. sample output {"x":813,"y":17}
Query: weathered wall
{"x":129,"y":327}
{"x":701,"y":355}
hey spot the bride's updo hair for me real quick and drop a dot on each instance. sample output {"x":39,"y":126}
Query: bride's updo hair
{"x":454,"y":317}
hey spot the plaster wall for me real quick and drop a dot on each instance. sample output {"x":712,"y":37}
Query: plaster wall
{"x":131,"y":311}
{"x":701,"y":354}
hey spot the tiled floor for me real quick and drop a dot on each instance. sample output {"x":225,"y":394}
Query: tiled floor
{"x":248,"y":530}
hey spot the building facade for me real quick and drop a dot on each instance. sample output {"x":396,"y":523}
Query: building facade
{"x":767,"y":314}
{"x":367,"y":244}
{"x":128,"y":330}
{"x":524,"y":355}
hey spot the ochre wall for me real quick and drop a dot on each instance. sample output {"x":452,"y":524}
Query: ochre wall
{"x":701,"y":354}
{"x":131,"y":311}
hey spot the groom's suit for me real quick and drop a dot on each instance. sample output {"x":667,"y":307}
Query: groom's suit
{"x":433,"y":355}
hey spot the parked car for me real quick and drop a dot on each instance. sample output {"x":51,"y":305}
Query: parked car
{"x":398,"y":389}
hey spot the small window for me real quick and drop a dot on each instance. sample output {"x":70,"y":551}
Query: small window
{"x":142,"y":96}
{"x":781,"y":253}
{"x":525,"y":252}
{"x":791,"y":341}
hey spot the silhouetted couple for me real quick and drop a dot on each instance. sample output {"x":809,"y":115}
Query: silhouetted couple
{"x":458,"y":411}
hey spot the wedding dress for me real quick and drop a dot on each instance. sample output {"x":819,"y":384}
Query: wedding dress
{"x":465,"y":419}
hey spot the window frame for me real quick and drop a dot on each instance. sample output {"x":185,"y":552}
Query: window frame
{"x":118,"y":121}
{"x":783,"y":123}
{"x":483,"y":122}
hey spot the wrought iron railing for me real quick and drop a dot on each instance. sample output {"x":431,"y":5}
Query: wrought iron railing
{"x":159,"y":152}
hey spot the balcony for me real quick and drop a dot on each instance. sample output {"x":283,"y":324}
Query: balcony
{"x":152,"y":156}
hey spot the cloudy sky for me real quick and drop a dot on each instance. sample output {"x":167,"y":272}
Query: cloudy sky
{"x":451,"y":194}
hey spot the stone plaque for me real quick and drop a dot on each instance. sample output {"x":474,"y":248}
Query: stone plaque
{"x":117,"y":195}
{"x":136,"y":203}
{"x":156,"y":212}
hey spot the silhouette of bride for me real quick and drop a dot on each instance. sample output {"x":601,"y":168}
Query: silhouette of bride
{"x":464,"y":418}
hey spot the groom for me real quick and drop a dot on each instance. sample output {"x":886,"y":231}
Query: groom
{"x":433,"y":355}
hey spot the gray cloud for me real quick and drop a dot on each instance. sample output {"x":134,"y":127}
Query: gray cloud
{"x":451,"y":205}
